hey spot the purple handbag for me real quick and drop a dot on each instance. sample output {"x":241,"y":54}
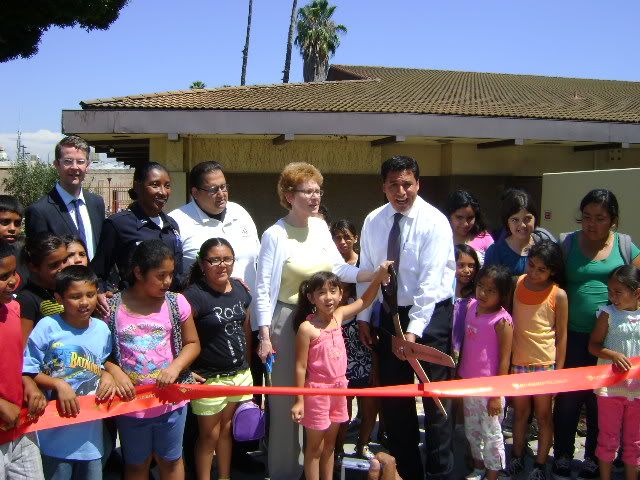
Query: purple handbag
{"x":248,"y":422}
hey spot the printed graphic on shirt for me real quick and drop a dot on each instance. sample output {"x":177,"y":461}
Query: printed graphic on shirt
{"x":145,"y":350}
{"x":75,"y":364}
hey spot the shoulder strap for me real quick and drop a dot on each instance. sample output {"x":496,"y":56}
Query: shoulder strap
{"x":176,"y":328}
{"x":624,"y":244}
{"x":114,"y":305}
{"x":176,"y":334}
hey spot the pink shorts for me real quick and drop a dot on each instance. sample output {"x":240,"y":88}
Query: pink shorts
{"x":320,"y":411}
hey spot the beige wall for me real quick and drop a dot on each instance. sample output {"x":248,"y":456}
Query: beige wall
{"x":562,"y":193}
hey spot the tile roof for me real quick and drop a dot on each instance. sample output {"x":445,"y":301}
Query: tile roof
{"x":406,"y":90}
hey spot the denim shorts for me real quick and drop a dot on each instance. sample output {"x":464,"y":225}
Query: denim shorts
{"x":162,"y":435}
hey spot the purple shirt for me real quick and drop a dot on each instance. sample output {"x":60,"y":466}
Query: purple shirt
{"x":481,"y":349}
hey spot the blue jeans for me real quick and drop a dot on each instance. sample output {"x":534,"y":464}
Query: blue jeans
{"x":61,"y":469}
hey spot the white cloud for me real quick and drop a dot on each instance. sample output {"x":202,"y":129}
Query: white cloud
{"x":40,"y":143}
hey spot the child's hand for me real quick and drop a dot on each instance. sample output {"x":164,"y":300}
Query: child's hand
{"x":33,"y":397}
{"x":124,"y":385}
{"x":106,"y":388}
{"x":621,"y":362}
{"x":68,"y":403}
{"x":167,"y":376}
{"x":494,"y":406}
{"x":9,"y":414}
{"x":297,"y":411}
{"x":198,"y":378}
{"x":383,"y":269}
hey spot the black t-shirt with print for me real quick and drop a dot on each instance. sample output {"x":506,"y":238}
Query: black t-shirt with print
{"x":219,"y":319}
{"x":37,"y":302}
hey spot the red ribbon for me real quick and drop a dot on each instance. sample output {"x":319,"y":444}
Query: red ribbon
{"x":538,"y":383}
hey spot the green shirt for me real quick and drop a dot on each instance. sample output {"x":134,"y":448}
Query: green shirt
{"x":587,"y":283}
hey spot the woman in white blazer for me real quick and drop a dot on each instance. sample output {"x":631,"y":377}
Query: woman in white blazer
{"x":291,"y":250}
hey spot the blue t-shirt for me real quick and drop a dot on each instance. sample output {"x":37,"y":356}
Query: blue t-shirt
{"x":76,"y":355}
{"x":500,"y":253}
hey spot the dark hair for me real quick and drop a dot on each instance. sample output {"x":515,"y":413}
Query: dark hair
{"x":72,"y":141}
{"x":69,"y":239}
{"x":200,"y":170}
{"x":606,"y":199}
{"x":398,"y":163}
{"x":550,"y":253}
{"x":6,"y":249}
{"x":343,"y":225}
{"x":38,"y":247}
{"x":141,"y":173}
{"x":316,"y":282}
{"x":462,"y":199}
{"x":148,"y":255}
{"x":514,"y":200}
{"x":9,"y":203}
{"x":196,"y":272}
{"x":627,"y":275}
{"x":74,"y":273}
{"x":501,"y":276}
{"x":324,"y":211}
{"x":465,"y":249}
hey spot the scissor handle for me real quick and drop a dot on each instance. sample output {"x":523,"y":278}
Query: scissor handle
{"x":390,"y":292}
{"x":268,"y":364}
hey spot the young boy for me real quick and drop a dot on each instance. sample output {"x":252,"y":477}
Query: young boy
{"x":67,"y":352}
{"x":11,"y":213}
{"x":19,"y":458}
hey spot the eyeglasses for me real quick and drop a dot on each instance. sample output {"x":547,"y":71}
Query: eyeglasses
{"x":67,"y":162}
{"x":310,"y":193}
{"x":227,"y":261}
{"x":215,"y":189}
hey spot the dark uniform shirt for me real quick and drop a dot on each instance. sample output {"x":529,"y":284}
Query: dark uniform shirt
{"x":122,"y":232}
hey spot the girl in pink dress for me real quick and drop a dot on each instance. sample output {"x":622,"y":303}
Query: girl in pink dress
{"x":321,"y":362}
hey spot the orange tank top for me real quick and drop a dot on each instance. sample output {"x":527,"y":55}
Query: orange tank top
{"x":534,"y":325}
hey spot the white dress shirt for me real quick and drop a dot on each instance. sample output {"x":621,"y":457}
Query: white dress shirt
{"x":427,"y":264}
{"x":237,"y":228}
{"x":67,"y":198}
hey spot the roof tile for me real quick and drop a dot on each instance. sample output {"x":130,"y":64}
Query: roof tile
{"x":406,"y":90}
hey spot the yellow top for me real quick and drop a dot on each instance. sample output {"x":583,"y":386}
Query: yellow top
{"x":534,"y":326}
{"x":304,"y":260}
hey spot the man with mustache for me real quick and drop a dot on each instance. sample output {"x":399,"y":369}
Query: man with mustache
{"x":68,"y":209}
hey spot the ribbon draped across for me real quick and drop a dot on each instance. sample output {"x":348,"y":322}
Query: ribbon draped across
{"x":537,"y":383}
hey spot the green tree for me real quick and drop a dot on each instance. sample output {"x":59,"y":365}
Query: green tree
{"x":197,"y":84}
{"x":30,"y":180}
{"x":287,"y":57}
{"x":22,"y":23}
{"x":245,"y":50}
{"x":318,"y":38}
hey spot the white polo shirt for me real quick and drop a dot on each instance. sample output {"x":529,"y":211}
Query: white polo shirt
{"x":237,"y":228}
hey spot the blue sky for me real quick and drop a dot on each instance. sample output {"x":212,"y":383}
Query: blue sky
{"x":160,"y":45}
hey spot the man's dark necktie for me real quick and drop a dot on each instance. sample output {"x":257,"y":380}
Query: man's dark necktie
{"x":393,"y":246}
{"x":79,"y":223}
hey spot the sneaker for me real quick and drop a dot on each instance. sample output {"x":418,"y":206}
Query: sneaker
{"x":477,"y":474}
{"x":561,"y":469}
{"x":507,"y":423}
{"x":516,"y":466}
{"x":589,"y":470}
{"x":537,"y":474}
{"x":365,"y":453}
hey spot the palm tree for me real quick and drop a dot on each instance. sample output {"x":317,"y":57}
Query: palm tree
{"x":317,"y":38}
{"x":287,"y":58}
{"x":197,"y":84}
{"x":245,"y":51}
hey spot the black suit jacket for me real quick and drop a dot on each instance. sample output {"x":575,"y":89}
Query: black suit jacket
{"x":50,"y":214}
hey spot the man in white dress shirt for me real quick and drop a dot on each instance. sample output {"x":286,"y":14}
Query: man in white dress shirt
{"x":210,"y":214}
{"x":418,"y":237}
